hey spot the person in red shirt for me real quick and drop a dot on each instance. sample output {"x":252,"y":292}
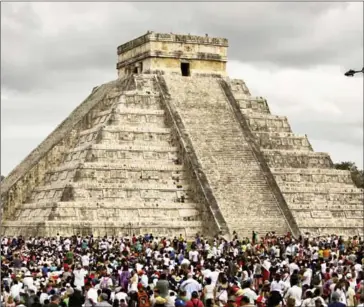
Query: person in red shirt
{"x":194,"y":301}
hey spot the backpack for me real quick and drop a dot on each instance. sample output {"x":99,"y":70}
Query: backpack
{"x":143,"y":299}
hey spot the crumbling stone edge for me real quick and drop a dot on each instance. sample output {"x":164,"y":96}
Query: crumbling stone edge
{"x":191,"y":154}
{"x":282,"y":204}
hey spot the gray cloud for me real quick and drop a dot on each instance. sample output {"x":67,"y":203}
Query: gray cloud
{"x":279,"y":34}
{"x":53,"y":54}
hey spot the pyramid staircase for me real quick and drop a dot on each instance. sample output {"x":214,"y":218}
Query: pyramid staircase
{"x":123,"y":175}
{"x":323,"y":200}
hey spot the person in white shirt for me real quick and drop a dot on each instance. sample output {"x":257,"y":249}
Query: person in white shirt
{"x":15,"y":289}
{"x":79,"y":274}
{"x":206,"y":273}
{"x":144,"y":279}
{"x":294,"y":292}
{"x":307,"y":276}
{"x":171,"y":298}
{"x":214,"y":275}
{"x":121,"y":295}
{"x":85,"y":260}
{"x":309,"y":301}
{"x":193,"y":256}
{"x":43,"y":296}
{"x":28,"y":280}
{"x":91,"y":293}
{"x":190,"y":285}
{"x":293,"y":267}
{"x":249,"y":293}
{"x":277,"y":285}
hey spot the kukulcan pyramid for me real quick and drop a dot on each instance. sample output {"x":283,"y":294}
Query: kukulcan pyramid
{"x":174,"y":146}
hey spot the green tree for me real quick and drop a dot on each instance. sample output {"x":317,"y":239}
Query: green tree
{"x":356,"y":174}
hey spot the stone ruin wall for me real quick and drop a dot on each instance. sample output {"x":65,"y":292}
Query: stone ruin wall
{"x":236,"y":180}
{"x":17,"y":187}
{"x":64,"y":211}
{"x":319,"y":197}
{"x":154,"y":51}
{"x":322,"y":199}
{"x":213,"y":223}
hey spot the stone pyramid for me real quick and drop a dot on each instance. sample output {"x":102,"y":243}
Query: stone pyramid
{"x":174,"y":146}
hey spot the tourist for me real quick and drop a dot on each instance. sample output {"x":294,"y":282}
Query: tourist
{"x":126,"y":270}
{"x":194,"y":301}
{"x":190,"y":285}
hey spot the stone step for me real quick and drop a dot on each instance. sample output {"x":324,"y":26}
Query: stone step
{"x":310,"y":175}
{"x":126,"y":204}
{"x":124,"y":110}
{"x":330,"y":214}
{"x":309,"y":195}
{"x":319,"y":190}
{"x":126,"y":128}
{"x":239,"y":88}
{"x":130,"y":133}
{"x":135,"y":119}
{"x":98,"y":228}
{"x":283,"y":141}
{"x":127,"y":134}
{"x":120,"y":176}
{"x":253,"y":104}
{"x":113,"y":153}
{"x":221,"y":147}
{"x":327,"y":205}
{"x":139,"y":101}
{"x":127,"y":165}
{"x":296,"y":159}
{"x":312,"y":184}
{"x":312,"y":172}
{"x":139,"y":191}
{"x":345,"y":231}
{"x":264,"y":122}
{"x":305,"y":220}
{"x":111,"y":186}
{"x":118,"y":215}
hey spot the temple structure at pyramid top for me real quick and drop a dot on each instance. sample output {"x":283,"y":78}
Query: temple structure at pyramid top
{"x":174,"y":146}
{"x":173,"y":53}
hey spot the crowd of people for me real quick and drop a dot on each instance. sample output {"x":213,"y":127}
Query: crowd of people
{"x":152,"y":271}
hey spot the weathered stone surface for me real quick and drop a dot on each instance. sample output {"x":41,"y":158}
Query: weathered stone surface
{"x":322,"y":200}
{"x":116,"y":162}
{"x":158,"y":152}
{"x":235,"y":177}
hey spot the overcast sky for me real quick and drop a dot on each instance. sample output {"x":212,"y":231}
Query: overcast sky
{"x":293,"y":54}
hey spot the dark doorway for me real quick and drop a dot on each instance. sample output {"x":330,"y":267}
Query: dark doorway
{"x":135,"y":70}
{"x":185,"y":69}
